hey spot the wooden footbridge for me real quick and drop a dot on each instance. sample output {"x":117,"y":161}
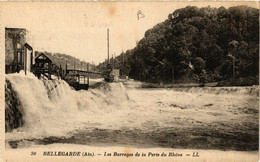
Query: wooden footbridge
{"x":79,"y":75}
{"x":73,"y":72}
{"x":44,"y":67}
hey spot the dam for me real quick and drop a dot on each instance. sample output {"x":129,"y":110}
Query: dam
{"x":50,"y":111}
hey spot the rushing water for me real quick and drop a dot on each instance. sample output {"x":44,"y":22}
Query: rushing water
{"x":115,"y":114}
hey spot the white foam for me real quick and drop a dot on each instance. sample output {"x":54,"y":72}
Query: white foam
{"x":52,"y":108}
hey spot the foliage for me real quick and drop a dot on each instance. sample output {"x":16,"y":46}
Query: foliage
{"x":61,"y":59}
{"x":205,"y":40}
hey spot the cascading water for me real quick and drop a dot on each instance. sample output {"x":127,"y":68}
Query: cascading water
{"x":39,"y":109}
{"x":52,"y":107}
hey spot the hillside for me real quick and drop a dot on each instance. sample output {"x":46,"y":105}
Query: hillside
{"x":60,"y":60}
{"x":197,"y":45}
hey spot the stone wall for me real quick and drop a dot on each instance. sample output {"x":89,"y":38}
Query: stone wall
{"x":13,"y":108}
{"x":15,"y":38}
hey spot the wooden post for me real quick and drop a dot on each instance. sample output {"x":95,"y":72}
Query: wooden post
{"x":88,"y":73}
{"x":25,"y":60}
{"x":31,"y":60}
{"x":49,"y":67}
{"x":60,"y":72}
{"x":66,"y":68}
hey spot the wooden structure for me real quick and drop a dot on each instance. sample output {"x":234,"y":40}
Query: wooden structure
{"x":81,"y":73}
{"x":28,"y":55}
{"x":74,"y":77}
{"x":19,"y":55}
{"x":115,"y":73}
{"x":107,"y":75}
{"x":43,"y":66}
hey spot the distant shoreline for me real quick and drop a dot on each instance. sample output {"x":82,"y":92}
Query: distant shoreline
{"x":183,"y":85}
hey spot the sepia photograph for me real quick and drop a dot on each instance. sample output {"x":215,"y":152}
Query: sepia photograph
{"x":129,"y":81}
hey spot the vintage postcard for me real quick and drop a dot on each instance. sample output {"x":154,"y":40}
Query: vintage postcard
{"x":129,"y":81}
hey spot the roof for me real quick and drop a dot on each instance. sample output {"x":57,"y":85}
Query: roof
{"x":43,"y":58}
{"x":28,"y":46}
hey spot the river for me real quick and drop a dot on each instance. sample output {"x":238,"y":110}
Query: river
{"x":118,"y":114}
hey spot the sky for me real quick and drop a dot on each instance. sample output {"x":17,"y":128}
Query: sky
{"x":79,"y":29}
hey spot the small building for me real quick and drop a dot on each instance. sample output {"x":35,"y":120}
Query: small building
{"x":43,"y":66}
{"x":18,"y":53}
{"x":115,"y":73}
